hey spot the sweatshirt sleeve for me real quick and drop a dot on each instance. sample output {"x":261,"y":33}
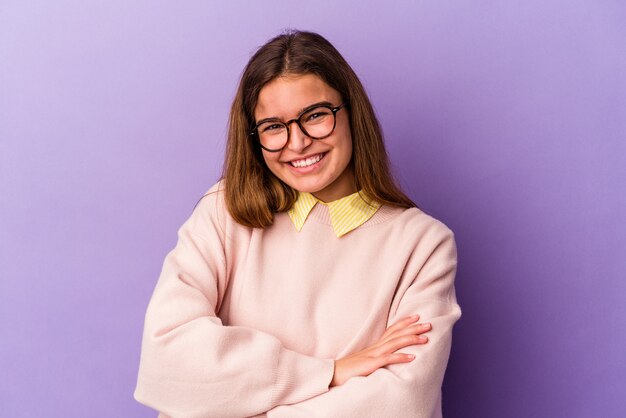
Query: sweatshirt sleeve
{"x":403,"y":390}
{"x":191,"y":364}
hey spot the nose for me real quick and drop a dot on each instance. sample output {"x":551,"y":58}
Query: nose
{"x":297,"y":140}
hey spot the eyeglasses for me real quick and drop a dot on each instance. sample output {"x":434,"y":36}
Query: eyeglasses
{"x":317,"y":122}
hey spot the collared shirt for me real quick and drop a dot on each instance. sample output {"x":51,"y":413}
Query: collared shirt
{"x":346,"y":213}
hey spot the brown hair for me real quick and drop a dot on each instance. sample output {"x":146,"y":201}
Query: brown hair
{"x":253,"y":192}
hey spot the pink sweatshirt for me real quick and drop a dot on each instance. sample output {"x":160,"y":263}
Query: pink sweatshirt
{"x":247,"y":321}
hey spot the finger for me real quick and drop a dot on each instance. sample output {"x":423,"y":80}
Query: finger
{"x":404,"y":322}
{"x":394,"y":358}
{"x":416,"y":329}
{"x":413,"y":329}
{"x":401,"y":358}
{"x":399,"y":342}
{"x":400,"y":325}
{"x":406,"y":341}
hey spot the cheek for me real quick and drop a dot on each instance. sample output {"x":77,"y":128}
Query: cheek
{"x":271,"y":161}
{"x":346,"y":146}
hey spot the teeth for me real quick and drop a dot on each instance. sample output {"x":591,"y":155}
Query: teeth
{"x":307,"y":162}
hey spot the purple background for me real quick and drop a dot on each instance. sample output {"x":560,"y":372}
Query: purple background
{"x":506,"y":120}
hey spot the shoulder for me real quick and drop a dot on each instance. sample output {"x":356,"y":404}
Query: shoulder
{"x":209,"y":212}
{"x":212,"y":207}
{"x":415,"y":219}
{"x":214,"y":196}
{"x":423,"y":231}
{"x":216,"y":190}
{"x":217,"y":187}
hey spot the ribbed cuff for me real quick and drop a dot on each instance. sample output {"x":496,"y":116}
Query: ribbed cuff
{"x":300,"y":377}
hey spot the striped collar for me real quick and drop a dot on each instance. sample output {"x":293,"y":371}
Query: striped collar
{"x":346,"y":213}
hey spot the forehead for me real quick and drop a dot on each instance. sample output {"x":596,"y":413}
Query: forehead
{"x":285,"y":96}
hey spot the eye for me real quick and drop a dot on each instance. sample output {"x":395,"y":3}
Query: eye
{"x":271,"y":127}
{"x":316,"y":115}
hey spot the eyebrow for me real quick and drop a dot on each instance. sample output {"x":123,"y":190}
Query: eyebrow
{"x":300,"y":112}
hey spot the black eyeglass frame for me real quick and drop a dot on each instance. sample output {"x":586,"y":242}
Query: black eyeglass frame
{"x":334,"y":110}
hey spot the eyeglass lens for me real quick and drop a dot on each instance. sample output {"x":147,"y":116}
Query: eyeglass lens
{"x":316,"y":123}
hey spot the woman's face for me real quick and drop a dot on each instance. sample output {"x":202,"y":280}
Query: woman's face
{"x":331,"y":177}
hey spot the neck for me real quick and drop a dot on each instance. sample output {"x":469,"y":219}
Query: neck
{"x":344,"y":186}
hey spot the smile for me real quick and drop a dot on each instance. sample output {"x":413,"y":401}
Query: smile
{"x":308,"y":161}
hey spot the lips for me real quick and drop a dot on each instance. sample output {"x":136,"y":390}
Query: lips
{"x":307,"y":161}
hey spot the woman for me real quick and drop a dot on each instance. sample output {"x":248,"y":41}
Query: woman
{"x":297,"y":282}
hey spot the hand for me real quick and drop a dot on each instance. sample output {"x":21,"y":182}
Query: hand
{"x":397,"y":336}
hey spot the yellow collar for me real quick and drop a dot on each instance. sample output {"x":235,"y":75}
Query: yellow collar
{"x":346,"y":213}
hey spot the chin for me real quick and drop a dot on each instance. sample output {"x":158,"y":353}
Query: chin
{"x":307,"y":186}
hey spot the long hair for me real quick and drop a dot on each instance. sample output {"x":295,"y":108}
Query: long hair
{"x":253,"y":192}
